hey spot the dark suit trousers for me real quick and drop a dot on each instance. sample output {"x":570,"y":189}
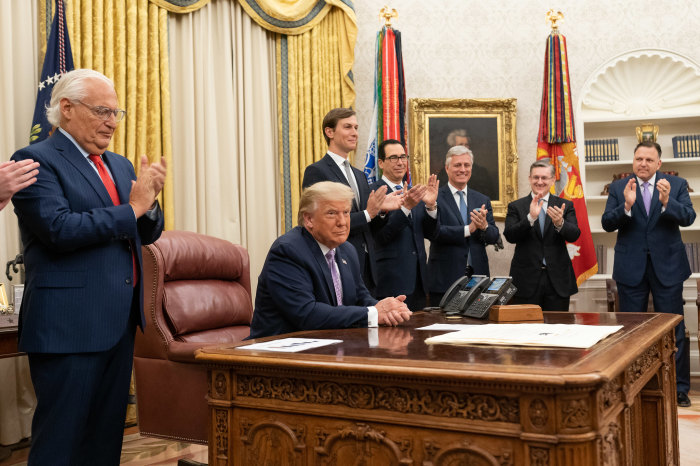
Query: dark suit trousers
{"x":416,"y":301}
{"x":81,"y":404}
{"x":545,"y":296}
{"x":668,"y":300}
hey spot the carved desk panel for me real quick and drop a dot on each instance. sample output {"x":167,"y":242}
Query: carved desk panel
{"x":403,"y":402}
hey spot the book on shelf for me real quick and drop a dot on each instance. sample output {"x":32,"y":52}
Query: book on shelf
{"x":686,"y":146}
{"x":602,"y":150}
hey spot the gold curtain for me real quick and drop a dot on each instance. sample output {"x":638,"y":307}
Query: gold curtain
{"x":127,"y":41}
{"x":315,"y":54}
{"x":311,"y":81}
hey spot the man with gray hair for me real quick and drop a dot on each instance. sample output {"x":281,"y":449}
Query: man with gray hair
{"x":466,"y":226}
{"x":311,"y":277}
{"x":539,"y":225}
{"x":82,"y":224}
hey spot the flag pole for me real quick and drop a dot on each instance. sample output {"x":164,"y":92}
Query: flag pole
{"x":556,"y":142}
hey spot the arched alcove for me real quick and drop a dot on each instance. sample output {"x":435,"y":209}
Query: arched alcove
{"x":639,"y":84}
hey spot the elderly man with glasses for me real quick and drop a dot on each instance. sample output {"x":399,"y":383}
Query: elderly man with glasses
{"x":82,"y":224}
{"x":399,"y":240}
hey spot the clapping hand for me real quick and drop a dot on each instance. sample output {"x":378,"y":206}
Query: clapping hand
{"x":478,"y":217}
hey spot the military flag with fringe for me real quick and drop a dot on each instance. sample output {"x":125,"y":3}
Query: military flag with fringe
{"x":556,"y":142}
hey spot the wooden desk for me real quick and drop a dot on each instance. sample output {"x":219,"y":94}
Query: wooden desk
{"x":8,"y":341}
{"x":408,"y":403}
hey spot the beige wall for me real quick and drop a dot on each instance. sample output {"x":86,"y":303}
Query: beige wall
{"x":488,"y":49}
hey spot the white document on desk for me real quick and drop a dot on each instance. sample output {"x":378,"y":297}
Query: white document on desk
{"x":290,"y":345}
{"x":557,"y":335}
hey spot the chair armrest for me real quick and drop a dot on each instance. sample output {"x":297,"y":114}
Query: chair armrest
{"x":181,"y":351}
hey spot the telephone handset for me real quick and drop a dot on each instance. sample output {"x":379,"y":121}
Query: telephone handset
{"x":462,"y":292}
{"x":498,"y":291}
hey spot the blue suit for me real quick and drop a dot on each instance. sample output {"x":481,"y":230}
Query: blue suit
{"x":360,"y":235}
{"x":400,"y":251}
{"x":295,"y":289}
{"x":79,"y":302}
{"x":650,"y":255}
{"x":449,"y":248}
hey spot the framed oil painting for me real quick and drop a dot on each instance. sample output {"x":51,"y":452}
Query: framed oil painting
{"x":486,"y":126}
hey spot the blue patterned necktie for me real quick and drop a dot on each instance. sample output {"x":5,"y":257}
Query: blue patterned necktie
{"x":463,"y":206}
{"x":398,"y":187}
{"x":335,"y":276}
{"x":465,"y":218}
{"x":543,"y":212}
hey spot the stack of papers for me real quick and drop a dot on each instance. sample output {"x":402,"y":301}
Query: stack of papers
{"x":559,"y":335}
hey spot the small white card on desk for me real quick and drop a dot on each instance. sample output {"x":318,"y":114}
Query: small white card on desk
{"x":290,"y":345}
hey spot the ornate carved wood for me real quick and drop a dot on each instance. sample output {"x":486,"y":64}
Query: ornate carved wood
{"x":613,"y":404}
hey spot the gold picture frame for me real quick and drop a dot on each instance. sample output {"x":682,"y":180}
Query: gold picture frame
{"x":490,"y":133}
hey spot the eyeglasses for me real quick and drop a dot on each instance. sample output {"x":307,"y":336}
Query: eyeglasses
{"x":395,"y":158}
{"x":540,"y":178}
{"x":103,"y":113}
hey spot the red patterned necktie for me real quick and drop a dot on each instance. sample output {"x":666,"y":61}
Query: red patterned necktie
{"x":106,"y":179}
{"x":112,"y":190}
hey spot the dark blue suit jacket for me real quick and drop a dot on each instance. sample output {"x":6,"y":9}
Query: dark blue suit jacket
{"x":360,"y":235}
{"x":78,"y":245}
{"x":531,"y":246}
{"x":657,"y":234}
{"x":448,"y":246}
{"x":400,"y":249}
{"x":295,"y":288}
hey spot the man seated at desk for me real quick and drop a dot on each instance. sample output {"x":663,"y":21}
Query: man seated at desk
{"x":311,"y":278}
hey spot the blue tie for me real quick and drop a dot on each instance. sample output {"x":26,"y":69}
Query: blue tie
{"x":543,"y":212}
{"x":398,"y":187}
{"x":463,"y":211}
{"x":462,"y":206}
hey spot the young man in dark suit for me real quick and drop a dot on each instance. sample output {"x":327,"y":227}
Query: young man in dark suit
{"x":82,"y":224}
{"x":311,"y":277}
{"x":399,"y":241}
{"x":465,"y":226}
{"x":539,"y":225}
{"x":647,"y":210}
{"x":340,"y":132}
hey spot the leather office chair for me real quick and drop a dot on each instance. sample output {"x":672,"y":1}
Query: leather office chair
{"x":196,"y":294}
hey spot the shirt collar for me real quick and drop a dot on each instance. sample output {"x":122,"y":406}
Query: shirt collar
{"x":652,"y":180}
{"x":324,"y":248}
{"x":338,"y":159}
{"x":454,"y":190}
{"x":391,"y":184}
{"x":70,"y":138}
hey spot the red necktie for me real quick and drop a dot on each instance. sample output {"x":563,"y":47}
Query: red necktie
{"x":106,"y":179}
{"x":112,"y":190}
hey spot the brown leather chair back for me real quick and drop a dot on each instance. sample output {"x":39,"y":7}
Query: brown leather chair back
{"x":196,"y":294}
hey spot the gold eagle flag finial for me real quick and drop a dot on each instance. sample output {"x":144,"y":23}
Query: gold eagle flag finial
{"x":554,"y":18}
{"x":386,"y":14}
